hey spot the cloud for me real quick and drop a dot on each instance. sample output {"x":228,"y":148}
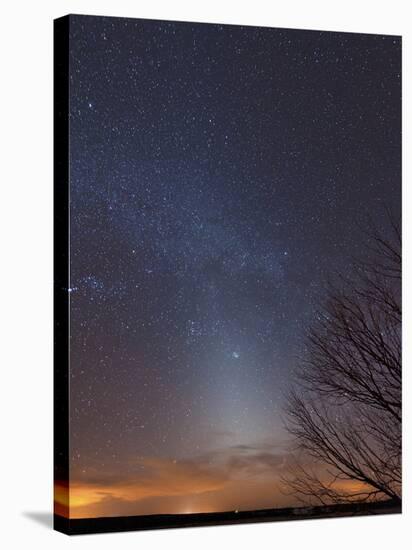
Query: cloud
{"x":239,"y":476}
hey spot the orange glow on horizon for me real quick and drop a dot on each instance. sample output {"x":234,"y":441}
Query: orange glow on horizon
{"x":185,"y":487}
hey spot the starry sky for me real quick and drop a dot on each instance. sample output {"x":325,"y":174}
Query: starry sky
{"x":218,"y":176}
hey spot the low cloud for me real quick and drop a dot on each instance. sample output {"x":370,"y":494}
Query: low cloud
{"x":237,"y":477}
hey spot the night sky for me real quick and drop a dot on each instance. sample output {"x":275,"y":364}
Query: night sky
{"x":219,"y":175}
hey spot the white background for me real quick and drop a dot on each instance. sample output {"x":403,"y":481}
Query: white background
{"x":26,"y":271}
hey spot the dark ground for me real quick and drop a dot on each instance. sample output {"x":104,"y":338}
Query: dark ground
{"x":164,"y":521}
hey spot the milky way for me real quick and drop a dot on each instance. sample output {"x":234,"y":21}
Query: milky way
{"x":219,"y":176}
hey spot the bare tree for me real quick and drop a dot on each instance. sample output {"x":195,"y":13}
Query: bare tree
{"x":345,"y":409}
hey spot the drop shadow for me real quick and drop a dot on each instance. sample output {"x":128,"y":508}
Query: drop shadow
{"x":42,"y":518}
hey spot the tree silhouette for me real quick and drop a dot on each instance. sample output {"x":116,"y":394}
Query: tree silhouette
{"x":345,"y":408}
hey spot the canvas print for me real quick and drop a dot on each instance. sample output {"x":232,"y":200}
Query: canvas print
{"x":227,"y":274}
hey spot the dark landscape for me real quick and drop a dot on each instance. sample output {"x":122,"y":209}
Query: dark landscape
{"x":168,"y":521}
